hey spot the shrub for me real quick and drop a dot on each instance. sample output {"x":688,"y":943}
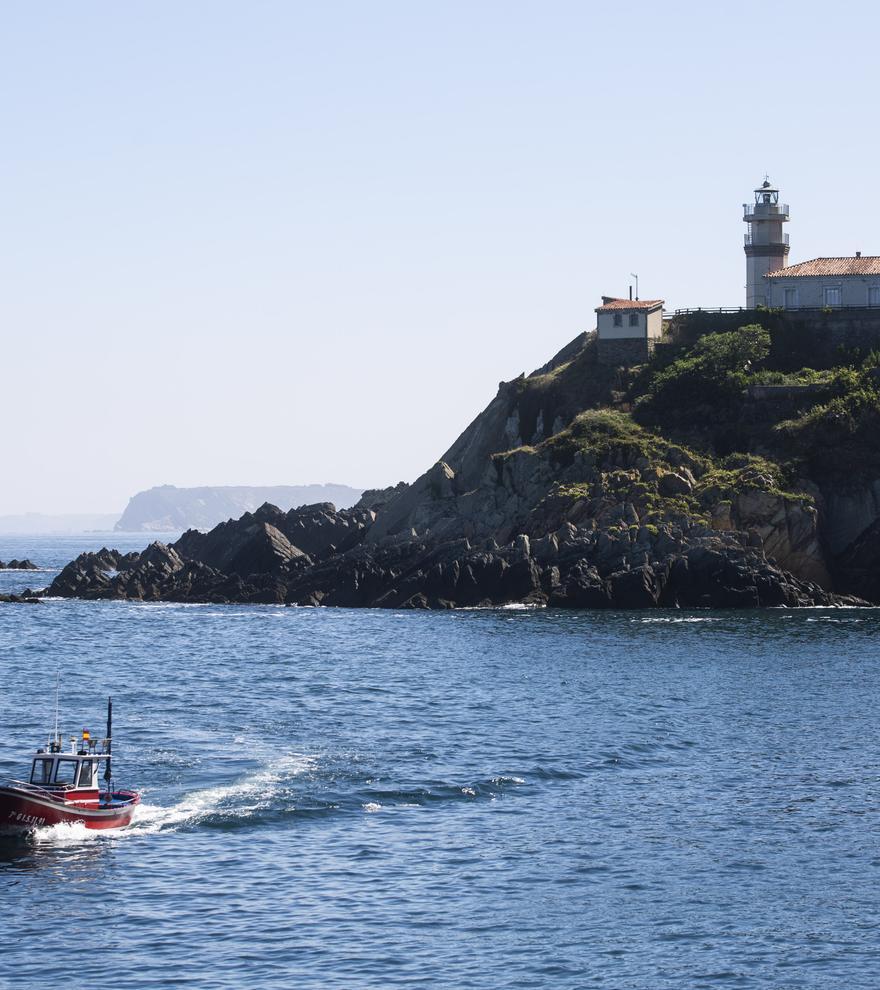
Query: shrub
{"x":838,"y":437}
{"x":712,"y":375}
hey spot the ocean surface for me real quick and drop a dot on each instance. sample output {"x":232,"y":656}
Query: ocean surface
{"x":489,"y":798}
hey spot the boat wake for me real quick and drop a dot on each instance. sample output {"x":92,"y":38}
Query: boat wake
{"x":293,"y":784}
{"x":240,"y":799}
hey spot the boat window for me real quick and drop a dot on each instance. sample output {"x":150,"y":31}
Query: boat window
{"x":66,"y":772}
{"x":85,"y":774}
{"x":42,"y":772}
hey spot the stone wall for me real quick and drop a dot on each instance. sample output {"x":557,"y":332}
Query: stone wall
{"x":631,"y":350}
{"x":801,"y":337}
{"x":854,"y":329}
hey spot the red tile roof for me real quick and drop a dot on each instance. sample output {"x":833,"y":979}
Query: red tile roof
{"x":869,"y":265}
{"x":610,"y":303}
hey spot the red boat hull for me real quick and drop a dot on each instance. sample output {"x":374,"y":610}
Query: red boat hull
{"x":21,"y":810}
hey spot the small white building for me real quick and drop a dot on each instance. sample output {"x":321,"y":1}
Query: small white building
{"x":826,"y":283}
{"x":627,"y":329}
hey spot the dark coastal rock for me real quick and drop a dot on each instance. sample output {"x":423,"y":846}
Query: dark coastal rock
{"x":254,"y":562}
{"x":859,"y":564}
{"x":377,"y":498}
{"x":248,"y":544}
{"x":320,"y":530}
{"x":19,"y":565}
{"x":88,"y":574}
{"x":27,"y":598}
{"x":580,"y":587}
{"x":638,"y":588}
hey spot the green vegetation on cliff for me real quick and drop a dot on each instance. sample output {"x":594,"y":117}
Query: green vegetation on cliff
{"x":718,"y":396}
{"x":720,"y":418}
{"x":711,"y":375}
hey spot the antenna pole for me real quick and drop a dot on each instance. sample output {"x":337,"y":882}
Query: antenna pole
{"x":108,"y":773}
{"x":636,"y":277}
{"x":57,"y":684}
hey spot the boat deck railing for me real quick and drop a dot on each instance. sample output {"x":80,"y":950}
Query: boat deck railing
{"x":36,"y":789}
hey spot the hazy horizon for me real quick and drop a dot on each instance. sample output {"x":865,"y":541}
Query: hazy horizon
{"x":273,"y":243}
{"x":61,"y":514}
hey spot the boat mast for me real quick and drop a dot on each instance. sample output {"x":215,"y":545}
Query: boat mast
{"x":56,"y":738}
{"x":108,"y":773}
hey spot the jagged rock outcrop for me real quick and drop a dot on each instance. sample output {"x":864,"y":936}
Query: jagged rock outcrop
{"x":376,"y":498}
{"x":786,"y":528}
{"x":575,"y":567}
{"x":18,"y":565}
{"x":250,"y":545}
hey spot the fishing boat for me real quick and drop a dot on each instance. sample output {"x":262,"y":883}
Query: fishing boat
{"x":64,"y":786}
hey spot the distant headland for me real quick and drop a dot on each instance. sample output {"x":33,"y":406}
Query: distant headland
{"x":167,"y":509}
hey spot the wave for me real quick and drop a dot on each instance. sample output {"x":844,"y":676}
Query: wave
{"x":835,"y":619}
{"x":238,"y":800}
{"x":489,"y":788}
{"x":679,"y":618}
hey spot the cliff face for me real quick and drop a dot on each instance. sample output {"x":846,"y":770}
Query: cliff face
{"x":166,"y":508}
{"x":553,"y":495}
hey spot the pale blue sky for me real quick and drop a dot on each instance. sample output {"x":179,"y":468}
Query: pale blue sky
{"x":279,"y":243}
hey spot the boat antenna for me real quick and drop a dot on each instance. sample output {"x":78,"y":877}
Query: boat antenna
{"x":108,"y":773}
{"x":56,"y":738}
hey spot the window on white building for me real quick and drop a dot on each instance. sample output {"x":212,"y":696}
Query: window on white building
{"x":633,"y":319}
{"x":791,"y":299}
{"x":618,"y":319}
{"x":831,"y":296}
{"x":874,"y":295}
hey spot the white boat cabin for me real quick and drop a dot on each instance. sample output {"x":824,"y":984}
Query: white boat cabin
{"x":76,"y":769}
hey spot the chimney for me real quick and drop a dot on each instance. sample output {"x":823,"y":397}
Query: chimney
{"x":630,"y":293}
{"x":858,"y":254}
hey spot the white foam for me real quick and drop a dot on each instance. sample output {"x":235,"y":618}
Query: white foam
{"x":831,"y":618}
{"x":372,"y":806}
{"x":509,"y":607}
{"x":683,"y":618}
{"x":239,"y":799}
{"x":66,"y":834}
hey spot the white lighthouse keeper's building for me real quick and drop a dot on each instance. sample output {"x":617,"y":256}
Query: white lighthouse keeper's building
{"x":627,"y":329}
{"x":826,"y":283}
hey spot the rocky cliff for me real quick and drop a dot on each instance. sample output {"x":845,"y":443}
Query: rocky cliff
{"x":553,"y":495}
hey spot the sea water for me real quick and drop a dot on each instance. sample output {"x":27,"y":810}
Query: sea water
{"x":487,"y":798}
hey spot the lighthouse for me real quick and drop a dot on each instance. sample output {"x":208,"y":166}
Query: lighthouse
{"x":766,"y":246}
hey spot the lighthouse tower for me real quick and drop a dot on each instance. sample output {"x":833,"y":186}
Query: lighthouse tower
{"x":766,"y":245}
